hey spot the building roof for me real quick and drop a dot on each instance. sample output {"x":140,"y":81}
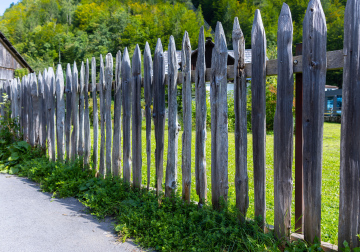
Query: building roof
{"x":15,"y":53}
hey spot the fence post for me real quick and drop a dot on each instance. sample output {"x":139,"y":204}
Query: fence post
{"x":219,"y":117}
{"x":299,"y":198}
{"x":34,"y":109}
{"x":95,"y":114}
{"x":87,"y":139}
{"x":102,"y":117}
{"x":173,"y":128}
{"x":241,"y":175}
{"x":283,"y":127}
{"x":108,"y":85}
{"x":200,"y":98}
{"x":126,"y":92}
{"x":350,"y":140}
{"x":75,"y":112}
{"x":30,"y":133}
{"x":136,"y":117}
{"x":187,"y":114}
{"x":258,"y":122}
{"x":60,"y":113}
{"x":68,"y":118}
{"x":44,"y":112}
{"x":148,"y":93}
{"x":117,"y":119}
{"x":50,"y":101}
{"x":314,"y":78}
{"x":80,"y":151}
{"x":159,"y":113}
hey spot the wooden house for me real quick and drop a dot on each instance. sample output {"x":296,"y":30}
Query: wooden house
{"x":10,"y":60}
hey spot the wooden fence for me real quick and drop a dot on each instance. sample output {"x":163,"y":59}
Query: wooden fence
{"x":45,"y":111}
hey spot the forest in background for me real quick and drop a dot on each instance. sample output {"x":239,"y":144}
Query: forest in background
{"x":80,"y":29}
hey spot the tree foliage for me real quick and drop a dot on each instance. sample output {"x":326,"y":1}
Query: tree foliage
{"x":81,"y":29}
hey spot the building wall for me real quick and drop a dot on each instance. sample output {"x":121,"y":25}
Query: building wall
{"x":8,"y":63}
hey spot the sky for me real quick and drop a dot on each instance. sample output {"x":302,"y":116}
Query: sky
{"x":4,"y":4}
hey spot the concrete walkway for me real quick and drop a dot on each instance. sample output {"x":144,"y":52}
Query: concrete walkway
{"x":32,"y":221}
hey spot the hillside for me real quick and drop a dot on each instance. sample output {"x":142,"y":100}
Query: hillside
{"x":81,"y":29}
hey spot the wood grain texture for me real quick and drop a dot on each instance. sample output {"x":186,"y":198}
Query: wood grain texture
{"x":116,"y":155}
{"x":314,"y":78}
{"x":187,"y":117}
{"x":68,"y":117}
{"x":95,"y":114}
{"x":60,"y":113}
{"x":50,"y":101}
{"x":219,"y":119}
{"x":159,"y":113}
{"x":173,"y":128}
{"x":35,"y":109}
{"x":350,"y":139}
{"x":258,"y":80}
{"x":136,"y":117}
{"x":87,"y":138}
{"x":148,"y":94}
{"x":75,"y":112}
{"x":42,"y":119}
{"x":102,"y":117}
{"x":109,"y":73}
{"x":200,"y":142}
{"x":241,"y":175}
{"x":283,"y":127}
{"x":81,"y":111}
{"x":126,"y":93}
{"x":44,"y":110}
{"x":30,"y":132}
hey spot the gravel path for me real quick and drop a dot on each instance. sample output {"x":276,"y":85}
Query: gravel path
{"x":32,"y":221}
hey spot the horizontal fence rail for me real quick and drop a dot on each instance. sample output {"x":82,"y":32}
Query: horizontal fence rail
{"x":50,"y":105}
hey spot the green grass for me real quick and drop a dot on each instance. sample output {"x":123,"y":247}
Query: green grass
{"x":330,"y":181}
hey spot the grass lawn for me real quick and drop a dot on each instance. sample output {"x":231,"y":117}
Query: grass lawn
{"x":330,"y":181}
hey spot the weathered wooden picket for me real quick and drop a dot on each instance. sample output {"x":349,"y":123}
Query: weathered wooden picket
{"x":35,"y":101}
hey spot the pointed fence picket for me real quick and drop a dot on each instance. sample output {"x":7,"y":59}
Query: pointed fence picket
{"x":36,"y":99}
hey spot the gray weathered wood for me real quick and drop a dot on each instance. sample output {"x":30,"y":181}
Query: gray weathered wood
{"x":159,"y":113}
{"x":173,"y":128}
{"x":24,"y":107}
{"x":35,"y":110}
{"x":60,"y":113}
{"x":95,"y":114}
{"x":126,"y":93}
{"x":241,"y":175}
{"x":200,"y":99}
{"x":187,"y":117}
{"x":44,"y":110}
{"x":50,"y":104}
{"x":219,"y":117}
{"x":109,"y":72}
{"x":148,"y":93}
{"x":350,"y":138}
{"x":283,"y":127}
{"x":136,"y":117}
{"x":81,"y":111}
{"x":68,"y":118}
{"x":87,"y":138}
{"x":30,"y":132}
{"x":314,"y":78}
{"x":102,"y":117}
{"x":116,"y":155}
{"x":41,"y":110}
{"x":75,"y":112}
{"x":258,"y":122}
